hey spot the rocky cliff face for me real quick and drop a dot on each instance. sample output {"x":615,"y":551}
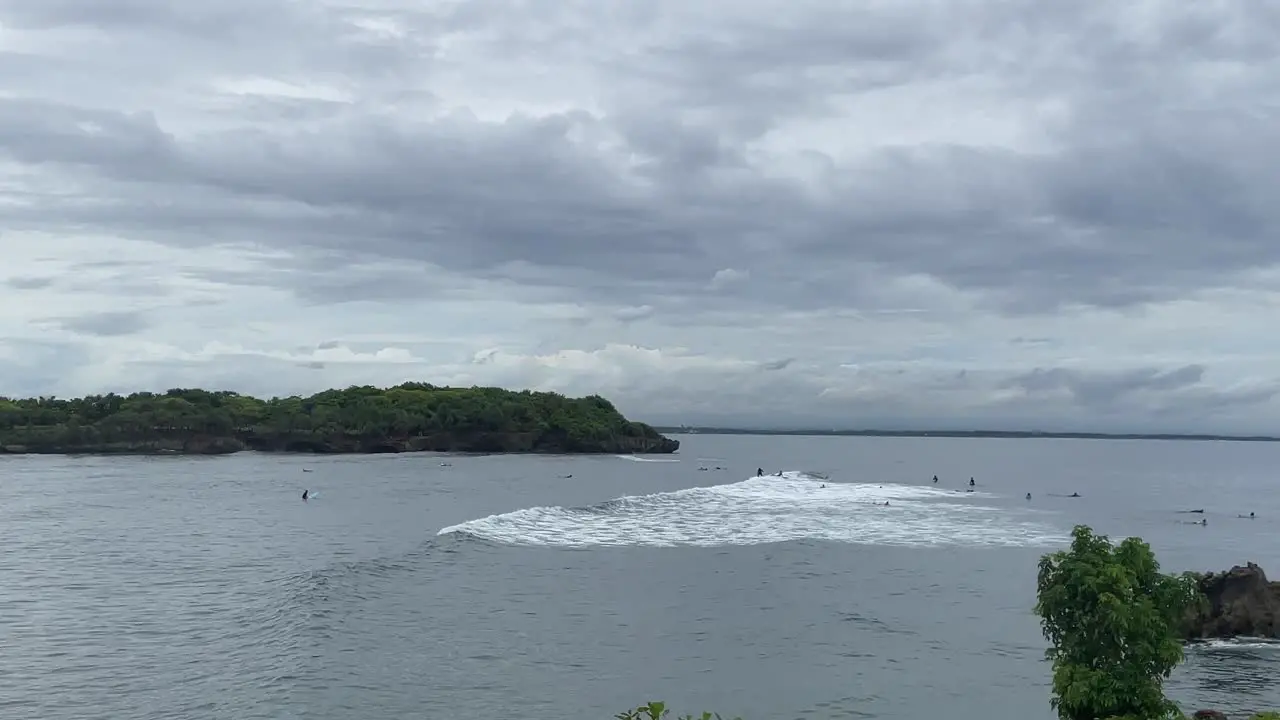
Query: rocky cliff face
{"x":1241,"y":602}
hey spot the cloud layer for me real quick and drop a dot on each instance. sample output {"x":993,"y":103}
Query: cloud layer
{"x":907,"y":213}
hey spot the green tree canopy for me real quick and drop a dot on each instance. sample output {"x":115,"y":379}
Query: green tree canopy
{"x":357,"y":419}
{"x":1111,"y":619}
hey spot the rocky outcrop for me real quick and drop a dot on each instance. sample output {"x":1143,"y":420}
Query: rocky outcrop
{"x":460,"y":442}
{"x":1240,"y":602}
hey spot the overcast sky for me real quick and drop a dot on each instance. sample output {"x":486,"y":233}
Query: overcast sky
{"x":903,"y":213}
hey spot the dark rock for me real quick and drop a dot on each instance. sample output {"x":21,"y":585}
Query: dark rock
{"x":1208,"y":715}
{"x":1240,"y":602}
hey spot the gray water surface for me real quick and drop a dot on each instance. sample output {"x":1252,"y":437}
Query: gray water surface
{"x":205,"y":588}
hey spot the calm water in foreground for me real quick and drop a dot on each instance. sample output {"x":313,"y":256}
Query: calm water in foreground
{"x":174,"y":588}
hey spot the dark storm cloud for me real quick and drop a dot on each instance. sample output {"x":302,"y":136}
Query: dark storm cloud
{"x":1154,"y":178}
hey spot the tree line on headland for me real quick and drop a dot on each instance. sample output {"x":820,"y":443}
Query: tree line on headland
{"x":363,"y":419}
{"x":1116,"y":626}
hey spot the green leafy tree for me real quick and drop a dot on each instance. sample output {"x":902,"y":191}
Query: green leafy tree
{"x":411,"y":415}
{"x":1111,"y":618}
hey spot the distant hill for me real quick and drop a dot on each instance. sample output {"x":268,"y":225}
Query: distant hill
{"x":1010,"y":434}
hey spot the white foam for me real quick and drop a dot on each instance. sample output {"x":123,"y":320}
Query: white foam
{"x":636,"y":458}
{"x":772,"y":509}
{"x":1241,"y":643}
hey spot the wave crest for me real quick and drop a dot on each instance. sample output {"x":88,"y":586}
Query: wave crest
{"x":771,"y":509}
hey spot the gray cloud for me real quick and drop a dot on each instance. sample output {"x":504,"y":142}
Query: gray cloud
{"x":106,"y":324}
{"x":1106,"y":388}
{"x":1120,"y":211}
{"x":31,"y":368}
{"x":29,"y":283}
{"x":1177,"y":394}
{"x":882,"y":182}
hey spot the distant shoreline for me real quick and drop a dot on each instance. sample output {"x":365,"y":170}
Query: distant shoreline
{"x":1004,"y":434}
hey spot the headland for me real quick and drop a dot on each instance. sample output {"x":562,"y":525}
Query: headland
{"x":412,"y":417}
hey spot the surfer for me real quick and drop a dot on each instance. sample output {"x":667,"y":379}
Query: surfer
{"x":1028,"y":496}
{"x":935,"y":479}
{"x":971,"y":482}
{"x":305,"y":495}
{"x":1075,"y":494}
{"x":759,"y":472}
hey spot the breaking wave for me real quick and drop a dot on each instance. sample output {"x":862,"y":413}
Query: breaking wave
{"x":771,"y":509}
{"x":1240,"y":643}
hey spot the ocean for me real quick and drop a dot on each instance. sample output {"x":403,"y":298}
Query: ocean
{"x":428,"y":586}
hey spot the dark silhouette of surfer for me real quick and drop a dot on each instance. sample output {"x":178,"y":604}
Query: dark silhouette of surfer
{"x":305,"y":495}
{"x":935,"y":479}
{"x":759,"y":472}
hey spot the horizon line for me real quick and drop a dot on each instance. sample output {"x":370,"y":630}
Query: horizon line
{"x":1003,"y":434}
